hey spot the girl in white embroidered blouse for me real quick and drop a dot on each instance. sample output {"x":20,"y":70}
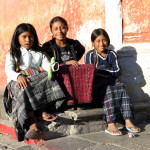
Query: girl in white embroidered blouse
{"x":29,"y":94}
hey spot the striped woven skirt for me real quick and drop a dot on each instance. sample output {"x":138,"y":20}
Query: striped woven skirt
{"x":117,"y":104}
{"x":39,"y":91}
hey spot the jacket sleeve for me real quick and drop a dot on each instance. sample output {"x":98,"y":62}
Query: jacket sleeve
{"x":113,"y":68}
{"x":79,"y":49}
{"x":87,"y":58}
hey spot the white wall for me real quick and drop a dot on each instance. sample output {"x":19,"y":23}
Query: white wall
{"x":134,"y":57}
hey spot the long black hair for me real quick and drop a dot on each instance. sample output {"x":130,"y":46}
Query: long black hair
{"x":15,"y":45}
{"x":98,"y":32}
{"x":94,"y":35}
{"x":58,"y":18}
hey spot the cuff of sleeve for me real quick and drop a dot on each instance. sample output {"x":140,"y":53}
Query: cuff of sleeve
{"x":55,"y":67}
{"x":16,"y":76}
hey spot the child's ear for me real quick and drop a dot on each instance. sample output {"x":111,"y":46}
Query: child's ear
{"x":92,"y":43}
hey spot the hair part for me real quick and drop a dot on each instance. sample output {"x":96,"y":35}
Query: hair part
{"x":58,"y":18}
{"x":98,"y":32}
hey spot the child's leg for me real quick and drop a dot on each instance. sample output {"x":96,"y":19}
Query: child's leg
{"x":110,"y":117}
{"x":109,"y":106}
{"x":127,"y":110}
{"x":34,"y":132}
{"x":33,"y":122}
{"x":126,"y":104}
{"x":111,"y":109}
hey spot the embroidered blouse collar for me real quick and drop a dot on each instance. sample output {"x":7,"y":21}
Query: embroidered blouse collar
{"x":24,"y":50}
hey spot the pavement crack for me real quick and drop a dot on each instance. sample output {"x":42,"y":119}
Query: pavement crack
{"x":87,"y":140}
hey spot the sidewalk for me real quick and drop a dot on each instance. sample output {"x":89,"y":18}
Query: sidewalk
{"x":91,"y":141}
{"x":79,"y":130}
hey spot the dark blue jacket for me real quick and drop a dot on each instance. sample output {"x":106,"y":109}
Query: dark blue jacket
{"x":108,"y":66}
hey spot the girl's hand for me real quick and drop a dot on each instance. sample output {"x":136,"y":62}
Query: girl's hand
{"x":22,"y":81}
{"x":72,"y":62}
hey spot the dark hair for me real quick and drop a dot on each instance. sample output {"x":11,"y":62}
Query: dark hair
{"x":15,"y":45}
{"x":58,"y":18}
{"x":98,"y":32}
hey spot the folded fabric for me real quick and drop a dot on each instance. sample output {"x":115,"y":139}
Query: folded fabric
{"x":77,"y":82}
{"x":29,"y":72}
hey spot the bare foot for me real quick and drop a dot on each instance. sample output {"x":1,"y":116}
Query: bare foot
{"x":34,"y":132}
{"x":33,"y":122}
{"x":113,"y":129}
{"x":34,"y":126}
{"x":130,"y":125}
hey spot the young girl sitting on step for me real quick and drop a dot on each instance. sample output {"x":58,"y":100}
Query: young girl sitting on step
{"x":117,"y":104}
{"x":29,"y":89}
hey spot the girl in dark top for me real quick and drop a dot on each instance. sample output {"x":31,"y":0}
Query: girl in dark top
{"x":117,"y":104}
{"x":65,"y":50}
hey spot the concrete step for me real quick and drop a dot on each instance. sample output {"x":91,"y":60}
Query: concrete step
{"x":74,"y":122}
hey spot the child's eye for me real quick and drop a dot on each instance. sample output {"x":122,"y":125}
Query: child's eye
{"x":24,"y":36}
{"x":104,"y":40}
{"x":63,"y":27}
{"x":55,"y":29}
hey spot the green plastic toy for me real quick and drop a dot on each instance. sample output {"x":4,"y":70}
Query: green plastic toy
{"x":50,"y":68}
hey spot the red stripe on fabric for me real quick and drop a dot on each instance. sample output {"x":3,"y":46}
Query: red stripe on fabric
{"x":108,"y":110}
{"x":31,"y":74}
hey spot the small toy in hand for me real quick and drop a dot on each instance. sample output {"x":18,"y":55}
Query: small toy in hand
{"x":50,"y":68}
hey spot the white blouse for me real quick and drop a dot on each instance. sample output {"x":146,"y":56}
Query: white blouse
{"x":28,"y":59}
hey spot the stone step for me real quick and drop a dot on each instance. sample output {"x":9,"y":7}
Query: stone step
{"x":76,"y":121}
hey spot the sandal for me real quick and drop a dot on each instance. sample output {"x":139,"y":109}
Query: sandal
{"x":130,"y":129}
{"x":46,"y":118}
{"x":110,"y":132}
